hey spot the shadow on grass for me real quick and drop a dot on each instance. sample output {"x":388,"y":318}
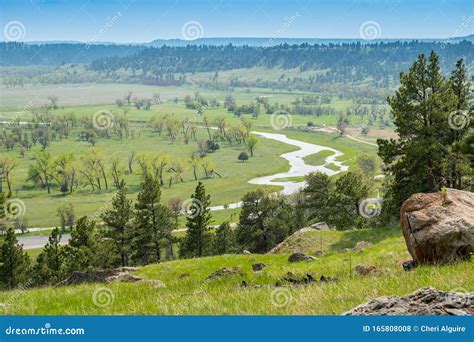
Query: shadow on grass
{"x":374,"y":235}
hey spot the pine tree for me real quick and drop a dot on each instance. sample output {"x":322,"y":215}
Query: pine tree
{"x":153,"y":223}
{"x":418,"y":161}
{"x":49,"y":264}
{"x":117,"y":219}
{"x":224,"y":240}
{"x":14,"y":262}
{"x":197,"y":241}
{"x":317,"y":191}
{"x":263,"y":221}
{"x":79,"y":254}
{"x":458,"y":163}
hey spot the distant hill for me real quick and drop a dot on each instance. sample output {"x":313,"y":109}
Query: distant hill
{"x":268,"y":41}
{"x":70,"y":52}
{"x":257,"y":41}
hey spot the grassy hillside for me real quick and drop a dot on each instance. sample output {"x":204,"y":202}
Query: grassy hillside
{"x":186,"y":290}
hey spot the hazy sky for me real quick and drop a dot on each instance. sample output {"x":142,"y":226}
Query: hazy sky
{"x":145,"y":20}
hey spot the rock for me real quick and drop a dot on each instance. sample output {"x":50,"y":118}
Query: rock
{"x":81,"y":278}
{"x":320,"y":226}
{"x":258,"y":266}
{"x":121,"y":274}
{"x":324,"y":279}
{"x":124,"y":278}
{"x":318,"y":252}
{"x":295,"y":257}
{"x":183,"y":275}
{"x":409,"y":265}
{"x":364,"y":270}
{"x":246,"y":252}
{"x":423,"y":302}
{"x":224,"y":272}
{"x":301,"y":281}
{"x":361,"y":245}
{"x":439,"y":228}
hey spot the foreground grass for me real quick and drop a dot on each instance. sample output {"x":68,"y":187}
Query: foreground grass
{"x":187,"y":292}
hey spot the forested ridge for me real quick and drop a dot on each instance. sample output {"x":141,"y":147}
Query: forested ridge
{"x":21,"y":54}
{"x":354,"y":62}
{"x":341,"y":62}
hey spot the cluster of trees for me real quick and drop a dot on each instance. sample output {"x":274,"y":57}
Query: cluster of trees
{"x":140,"y":232}
{"x":432,"y":115}
{"x":98,"y":172}
{"x":139,"y":103}
{"x":46,"y":127}
{"x":199,"y":102}
{"x":131,"y":234}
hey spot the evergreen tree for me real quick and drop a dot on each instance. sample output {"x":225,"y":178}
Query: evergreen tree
{"x":79,"y":254}
{"x":343,"y":202}
{"x":14,"y":262}
{"x":117,"y":219}
{"x":263,"y":221}
{"x":49,"y":264}
{"x":458,"y":165}
{"x":317,"y":191}
{"x":421,"y":160}
{"x":224,"y":240}
{"x":153,"y":223}
{"x":197,"y":241}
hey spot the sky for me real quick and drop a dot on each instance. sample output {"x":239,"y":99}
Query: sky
{"x":138,"y":21}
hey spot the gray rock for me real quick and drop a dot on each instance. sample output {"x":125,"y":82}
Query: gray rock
{"x":320,"y":226}
{"x":423,"y":302}
{"x":361,"y":245}
{"x":124,"y":278}
{"x":295,"y":257}
{"x":225,"y":272}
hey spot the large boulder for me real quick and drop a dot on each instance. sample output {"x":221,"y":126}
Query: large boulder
{"x":423,"y":302}
{"x":439,"y":227}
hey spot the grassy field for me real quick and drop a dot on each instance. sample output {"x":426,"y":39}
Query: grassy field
{"x":184,"y":289}
{"x":41,"y":207}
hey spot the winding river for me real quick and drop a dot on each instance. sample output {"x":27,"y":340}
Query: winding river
{"x":298,"y":167}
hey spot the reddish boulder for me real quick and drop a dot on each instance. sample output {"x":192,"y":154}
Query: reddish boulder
{"x":439,"y":227}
